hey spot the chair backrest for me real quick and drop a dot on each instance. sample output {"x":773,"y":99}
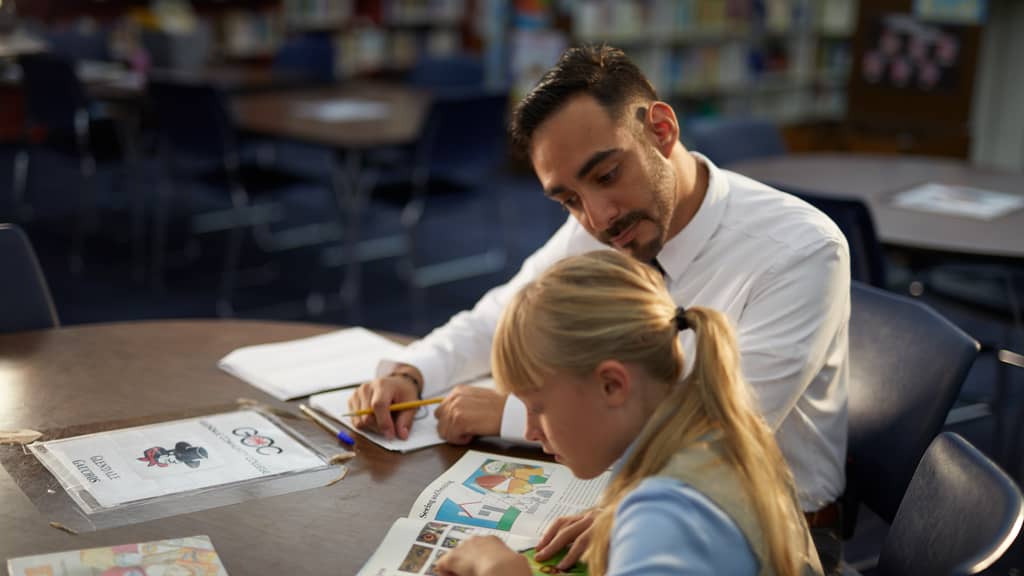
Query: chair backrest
{"x":867,"y":259}
{"x":310,"y":55}
{"x":193,"y":119}
{"x":728,"y":140}
{"x":24,"y":296}
{"x":907,"y":364}
{"x":460,"y":71}
{"x":465,"y":134}
{"x":959,"y":515}
{"x":54,"y":96}
{"x":76,"y":44}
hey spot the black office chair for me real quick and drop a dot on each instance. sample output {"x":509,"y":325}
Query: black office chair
{"x":728,"y":140}
{"x":198,"y":142}
{"x":959,"y":514}
{"x":867,"y":259}
{"x":24,"y":296}
{"x":59,"y":118}
{"x":907,"y":364}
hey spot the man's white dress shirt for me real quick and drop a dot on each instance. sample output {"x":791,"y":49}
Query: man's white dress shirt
{"x":775,"y":266}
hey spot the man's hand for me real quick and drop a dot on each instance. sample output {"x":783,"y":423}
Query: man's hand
{"x":483,"y":556}
{"x":469,"y":411}
{"x":381,"y":394}
{"x":574,"y":530}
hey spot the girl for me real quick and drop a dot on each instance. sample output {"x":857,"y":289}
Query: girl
{"x":699,"y":485}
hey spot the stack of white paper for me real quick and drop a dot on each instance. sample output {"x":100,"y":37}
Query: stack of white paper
{"x":297,"y":368}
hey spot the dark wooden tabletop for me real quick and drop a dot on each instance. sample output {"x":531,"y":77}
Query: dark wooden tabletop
{"x":287,"y":114}
{"x":875,"y":179}
{"x":79,"y":375}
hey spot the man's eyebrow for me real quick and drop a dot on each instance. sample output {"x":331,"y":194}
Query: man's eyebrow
{"x":594,"y":160}
{"x":555,"y":191}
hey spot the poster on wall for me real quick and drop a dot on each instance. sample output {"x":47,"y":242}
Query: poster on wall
{"x":906,"y":53}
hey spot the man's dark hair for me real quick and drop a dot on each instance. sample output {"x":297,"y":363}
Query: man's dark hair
{"x":602,"y":71}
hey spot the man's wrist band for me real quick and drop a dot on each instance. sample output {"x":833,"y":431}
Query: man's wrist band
{"x":410,"y":378}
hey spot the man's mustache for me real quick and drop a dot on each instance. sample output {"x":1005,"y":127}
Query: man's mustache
{"x":620,"y":225}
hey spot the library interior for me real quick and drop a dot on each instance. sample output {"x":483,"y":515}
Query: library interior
{"x":213,"y":209}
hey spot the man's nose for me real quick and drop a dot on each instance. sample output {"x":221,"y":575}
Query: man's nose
{"x":601,"y":213}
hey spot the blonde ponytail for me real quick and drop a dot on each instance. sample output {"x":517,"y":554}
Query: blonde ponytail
{"x":603,"y":305}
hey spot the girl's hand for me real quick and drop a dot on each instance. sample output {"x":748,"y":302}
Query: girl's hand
{"x":483,"y":556}
{"x":572,"y":532}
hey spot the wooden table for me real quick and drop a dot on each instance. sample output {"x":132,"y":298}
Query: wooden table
{"x":875,"y":179}
{"x":98,"y":373}
{"x":291,"y":115}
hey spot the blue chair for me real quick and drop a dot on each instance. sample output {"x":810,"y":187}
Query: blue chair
{"x":309,"y":55}
{"x":198,"y":143}
{"x":729,"y":140}
{"x":461,"y":71}
{"x":59,"y":118}
{"x":958,"y":516}
{"x":76,"y":44}
{"x":25,"y":302}
{"x":867,"y":258}
{"x":463,"y":144}
{"x":907,"y":364}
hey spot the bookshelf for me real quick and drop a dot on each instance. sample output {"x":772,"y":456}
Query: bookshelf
{"x":381,"y":36}
{"x":786,"y":60}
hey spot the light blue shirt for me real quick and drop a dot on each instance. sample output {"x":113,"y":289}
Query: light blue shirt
{"x":667,"y":527}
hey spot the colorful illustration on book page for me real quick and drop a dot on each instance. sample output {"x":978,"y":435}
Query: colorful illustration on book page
{"x":432,"y":571}
{"x":193,"y":556}
{"x":495,"y":494}
{"x":415,"y":559}
{"x":550,"y":566}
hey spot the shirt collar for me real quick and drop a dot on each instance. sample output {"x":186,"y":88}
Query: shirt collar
{"x":617,"y":466}
{"x":677,"y":254}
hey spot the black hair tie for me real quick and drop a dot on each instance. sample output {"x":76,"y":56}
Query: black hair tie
{"x":680,"y":318}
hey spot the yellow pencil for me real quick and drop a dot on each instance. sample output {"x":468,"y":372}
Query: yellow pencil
{"x":398,"y":406}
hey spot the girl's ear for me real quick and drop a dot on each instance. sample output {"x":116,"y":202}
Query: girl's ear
{"x":616,"y":382}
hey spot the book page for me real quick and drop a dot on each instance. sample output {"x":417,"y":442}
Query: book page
{"x":297,"y":368}
{"x":512,"y":495}
{"x":414,"y":546}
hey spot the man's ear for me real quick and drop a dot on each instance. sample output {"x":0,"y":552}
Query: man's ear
{"x":662,"y":127}
{"x":616,"y":382}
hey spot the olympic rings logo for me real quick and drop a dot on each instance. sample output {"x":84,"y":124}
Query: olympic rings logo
{"x":251,"y":437}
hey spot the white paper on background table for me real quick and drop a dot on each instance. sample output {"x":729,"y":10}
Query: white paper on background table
{"x":113,"y":468}
{"x":343,"y":110}
{"x":298,"y":368}
{"x":958,"y":201}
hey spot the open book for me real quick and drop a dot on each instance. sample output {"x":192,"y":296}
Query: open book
{"x":483,"y":494}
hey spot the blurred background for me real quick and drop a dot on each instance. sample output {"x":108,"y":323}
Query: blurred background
{"x":345,"y":161}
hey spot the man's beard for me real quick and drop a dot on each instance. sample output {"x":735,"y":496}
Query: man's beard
{"x":644,"y":252}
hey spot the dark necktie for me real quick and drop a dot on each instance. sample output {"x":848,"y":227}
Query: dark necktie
{"x":657,"y":266}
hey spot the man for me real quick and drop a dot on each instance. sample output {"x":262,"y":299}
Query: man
{"x":605,"y":148}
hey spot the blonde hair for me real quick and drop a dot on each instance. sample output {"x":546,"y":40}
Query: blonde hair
{"x":604,"y":305}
